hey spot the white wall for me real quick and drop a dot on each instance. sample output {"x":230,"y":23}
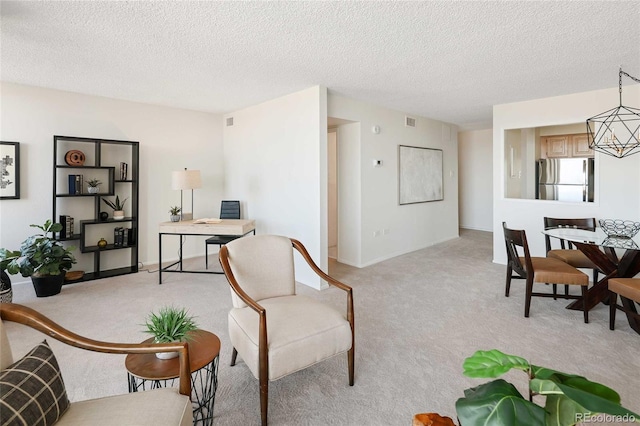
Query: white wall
{"x":617,"y":183}
{"x":408,"y":227}
{"x":475,"y":162}
{"x":349,"y":195}
{"x":275,"y":158}
{"x":170,"y":139}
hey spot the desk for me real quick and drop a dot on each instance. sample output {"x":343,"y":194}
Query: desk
{"x":146,"y":371}
{"x":235,"y":227}
{"x":607,"y":260}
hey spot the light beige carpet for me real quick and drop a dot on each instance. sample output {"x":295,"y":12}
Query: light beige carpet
{"x":417,"y":317}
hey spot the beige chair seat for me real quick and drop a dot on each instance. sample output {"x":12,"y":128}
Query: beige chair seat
{"x":156,"y":407}
{"x":302,"y":332}
{"x":626,"y":287}
{"x":573,"y":257}
{"x":551,"y":270}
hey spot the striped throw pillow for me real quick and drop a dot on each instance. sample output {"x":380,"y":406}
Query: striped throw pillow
{"x":32,"y":391}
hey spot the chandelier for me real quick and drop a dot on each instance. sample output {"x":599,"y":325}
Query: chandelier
{"x":616,"y":132}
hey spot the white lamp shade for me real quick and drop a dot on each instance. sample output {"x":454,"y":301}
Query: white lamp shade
{"x":186,"y":179}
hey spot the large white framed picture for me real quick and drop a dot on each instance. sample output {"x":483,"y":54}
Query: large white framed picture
{"x":419,"y":174}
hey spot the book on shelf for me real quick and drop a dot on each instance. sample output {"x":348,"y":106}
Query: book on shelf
{"x":67,"y":227}
{"x":208,"y":220}
{"x":131,"y":236}
{"x":79,"y":184}
{"x":72,"y":184}
{"x":123,"y":171}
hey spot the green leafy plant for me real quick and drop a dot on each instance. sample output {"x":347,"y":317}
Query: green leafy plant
{"x":570,"y":399}
{"x":39,"y":255}
{"x":170,"y":324}
{"x":116,"y":205}
{"x":93,"y":183}
{"x":175,"y":210}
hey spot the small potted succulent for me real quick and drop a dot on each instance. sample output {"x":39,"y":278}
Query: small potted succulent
{"x":170,"y":324}
{"x":93,"y":186}
{"x":175,"y":213}
{"x":117,"y":206}
{"x":42,"y":258}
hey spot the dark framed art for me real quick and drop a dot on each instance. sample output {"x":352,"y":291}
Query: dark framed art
{"x":10,"y":173}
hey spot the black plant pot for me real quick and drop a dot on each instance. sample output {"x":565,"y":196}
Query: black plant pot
{"x":48,"y":285}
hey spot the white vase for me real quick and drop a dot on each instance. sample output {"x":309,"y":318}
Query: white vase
{"x":93,"y":189}
{"x":165,"y":355}
{"x":118,"y":214}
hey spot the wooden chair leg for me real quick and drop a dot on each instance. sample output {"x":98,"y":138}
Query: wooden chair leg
{"x":234,"y":355}
{"x":350,"y":358}
{"x":527,"y":301}
{"x":566,"y":290}
{"x":595,"y":276}
{"x":613,"y":302}
{"x":508,"y":284}
{"x":264,"y":398}
{"x":585,"y":303}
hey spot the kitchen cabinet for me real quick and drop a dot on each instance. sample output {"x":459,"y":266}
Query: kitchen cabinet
{"x":566,"y":146}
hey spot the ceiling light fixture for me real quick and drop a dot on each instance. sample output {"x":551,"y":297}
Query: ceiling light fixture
{"x":616,"y":132}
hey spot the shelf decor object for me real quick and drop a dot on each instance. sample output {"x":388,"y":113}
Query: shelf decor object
{"x":616,"y":132}
{"x":98,"y":163}
{"x":184,"y":180}
{"x":10,"y":173}
{"x":616,"y":228}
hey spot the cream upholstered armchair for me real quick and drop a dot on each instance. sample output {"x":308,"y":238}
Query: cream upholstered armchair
{"x":275,"y":331}
{"x":32,"y":390}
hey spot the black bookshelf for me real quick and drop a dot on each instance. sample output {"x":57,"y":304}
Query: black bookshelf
{"x":102,"y":157}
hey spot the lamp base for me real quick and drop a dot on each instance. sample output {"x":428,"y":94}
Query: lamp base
{"x":187,"y":216}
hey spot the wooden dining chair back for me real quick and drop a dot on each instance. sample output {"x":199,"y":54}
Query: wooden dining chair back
{"x":539,"y":270}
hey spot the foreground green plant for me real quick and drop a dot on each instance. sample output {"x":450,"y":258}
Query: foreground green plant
{"x":570,"y":399}
{"x":170,"y":324}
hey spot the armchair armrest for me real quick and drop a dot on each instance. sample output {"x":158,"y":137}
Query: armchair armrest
{"x":29,"y":317}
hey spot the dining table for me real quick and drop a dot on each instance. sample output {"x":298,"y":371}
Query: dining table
{"x":615,"y":257}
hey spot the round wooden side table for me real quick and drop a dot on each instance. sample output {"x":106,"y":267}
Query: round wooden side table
{"x":146,"y":371}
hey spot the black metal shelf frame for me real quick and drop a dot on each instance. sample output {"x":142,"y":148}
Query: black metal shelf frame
{"x":98,"y":148}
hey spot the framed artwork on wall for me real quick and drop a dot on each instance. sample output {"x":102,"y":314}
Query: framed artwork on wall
{"x":10,"y":170}
{"x":419,"y":174}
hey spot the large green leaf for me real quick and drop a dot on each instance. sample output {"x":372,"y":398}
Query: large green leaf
{"x":497,"y":403}
{"x":562,"y":411}
{"x":492,"y":363}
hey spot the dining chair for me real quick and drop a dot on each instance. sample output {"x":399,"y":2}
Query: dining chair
{"x":540,"y":270}
{"x":229,"y":209}
{"x":276,"y":331}
{"x":629,"y":291}
{"x":567,"y":253}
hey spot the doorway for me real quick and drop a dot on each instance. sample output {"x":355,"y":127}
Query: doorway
{"x":332,"y":192}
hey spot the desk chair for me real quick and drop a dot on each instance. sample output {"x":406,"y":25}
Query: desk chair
{"x":540,"y":270}
{"x":228,"y":210}
{"x":567,"y":253}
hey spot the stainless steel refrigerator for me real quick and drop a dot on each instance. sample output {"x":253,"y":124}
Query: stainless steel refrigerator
{"x":565,"y":179}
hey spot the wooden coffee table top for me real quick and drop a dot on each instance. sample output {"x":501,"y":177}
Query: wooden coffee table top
{"x":204,"y":347}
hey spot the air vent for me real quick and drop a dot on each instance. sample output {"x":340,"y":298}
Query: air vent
{"x":409,"y":121}
{"x":229,"y":121}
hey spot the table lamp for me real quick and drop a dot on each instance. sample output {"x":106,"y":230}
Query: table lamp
{"x":186,"y":179}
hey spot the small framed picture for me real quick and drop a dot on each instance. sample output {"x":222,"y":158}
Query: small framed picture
{"x":10,"y":172}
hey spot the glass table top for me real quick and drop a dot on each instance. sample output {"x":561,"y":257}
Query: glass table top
{"x":597,"y":237}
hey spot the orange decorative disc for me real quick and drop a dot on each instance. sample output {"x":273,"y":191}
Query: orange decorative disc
{"x":74,"y":158}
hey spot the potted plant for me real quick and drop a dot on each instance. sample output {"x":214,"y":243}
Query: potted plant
{"x":175,"y":213}
{"x":570,"y":399}
{"x":117,"y":206}
{"x":42,"y":258}
{"x":93,"y":186}
{"x":170,"y":324}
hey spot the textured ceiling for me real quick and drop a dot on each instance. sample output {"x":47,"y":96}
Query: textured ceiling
{"x":447,"y":60}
